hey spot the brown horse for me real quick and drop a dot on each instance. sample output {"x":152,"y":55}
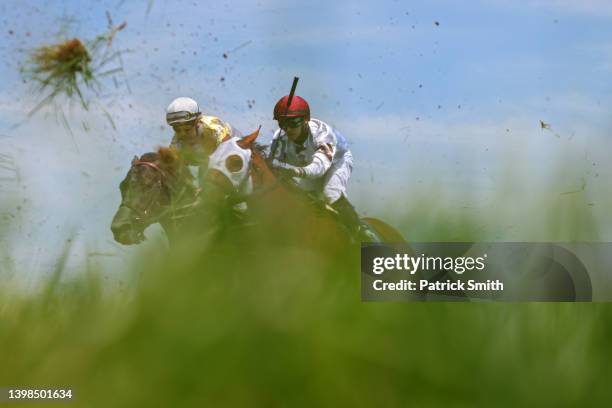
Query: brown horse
{"x":158,"y":188}
{"x":283,"y":213}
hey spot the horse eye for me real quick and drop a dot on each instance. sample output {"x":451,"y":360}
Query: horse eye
{"x":234,"y":163}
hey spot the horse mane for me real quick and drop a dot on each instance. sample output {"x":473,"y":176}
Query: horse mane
{"x":168,"y":155}
{"x":169,"y":161}
{"x":260,"y":148}
{"x":163,"y":155}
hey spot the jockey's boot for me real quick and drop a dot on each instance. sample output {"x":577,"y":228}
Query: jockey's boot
{"x":359,"y":230}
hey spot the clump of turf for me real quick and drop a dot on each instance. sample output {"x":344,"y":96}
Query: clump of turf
{"x":69,"y":66}
{"x":62,"y":66}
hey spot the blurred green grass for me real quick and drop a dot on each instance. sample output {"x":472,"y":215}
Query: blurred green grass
{"x":269,"y":326}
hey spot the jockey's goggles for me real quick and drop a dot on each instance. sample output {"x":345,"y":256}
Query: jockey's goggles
{"x":290,"y":122}
{"x":178,"y":118}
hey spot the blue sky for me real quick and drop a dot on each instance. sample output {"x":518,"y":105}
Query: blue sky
{"x":448,"y":107}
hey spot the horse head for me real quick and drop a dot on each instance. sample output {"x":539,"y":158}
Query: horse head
{"x":151,"y":186}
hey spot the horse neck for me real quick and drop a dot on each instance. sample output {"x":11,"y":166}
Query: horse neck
{"x":288,"y":217}
{"x":183,"y":194}
{"x":260,"y":172}
{"x":180,"y":183}
{"x":276,"y":196}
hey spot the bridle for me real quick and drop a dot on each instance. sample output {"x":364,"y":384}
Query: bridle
{"x":149,"y":164}
{"x":162,"y":181}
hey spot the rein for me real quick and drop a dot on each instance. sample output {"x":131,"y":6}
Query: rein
{"x":163,"y":175}
{"x":148,"y":164}
{"x":259,"y":165}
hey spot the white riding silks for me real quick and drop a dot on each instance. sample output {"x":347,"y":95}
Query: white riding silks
{"x":319,"y":165}
{"x":319,"y":173}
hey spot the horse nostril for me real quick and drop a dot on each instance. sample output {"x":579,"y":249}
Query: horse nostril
{"x":117,"y":228}
{"x":126,"y":227}
{"x":119,"y":232}
{"x":124,"y":234}
{"x":122,"y":218}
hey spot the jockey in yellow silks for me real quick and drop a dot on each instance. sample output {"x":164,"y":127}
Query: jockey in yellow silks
{"x":196,"y":135}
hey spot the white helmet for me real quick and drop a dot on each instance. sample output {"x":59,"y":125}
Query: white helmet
{"x":182,"y":110}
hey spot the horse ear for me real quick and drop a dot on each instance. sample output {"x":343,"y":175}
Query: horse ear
{"x":246,"y":141}
{"x":134,"y":160}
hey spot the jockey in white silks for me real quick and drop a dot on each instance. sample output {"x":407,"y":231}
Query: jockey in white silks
{"x":315,"y":154}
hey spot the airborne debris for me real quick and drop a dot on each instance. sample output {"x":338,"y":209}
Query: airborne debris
{"x":546,"y":126}
{"x":226,"y":54}
{"x":582,"y":188}
{"x":61,"y":66}
{"x":72,"y":65}
{"x":149,"y":7}
{"x":8,"y":168}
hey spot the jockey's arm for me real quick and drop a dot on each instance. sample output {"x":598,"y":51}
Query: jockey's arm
{"x":321,"y":162}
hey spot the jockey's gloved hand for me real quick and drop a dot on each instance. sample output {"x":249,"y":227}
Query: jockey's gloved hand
{"x":287,"y":169}
{"x":327,"y":149}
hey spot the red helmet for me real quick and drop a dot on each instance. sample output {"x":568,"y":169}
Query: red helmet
{"x":299,"y":107}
